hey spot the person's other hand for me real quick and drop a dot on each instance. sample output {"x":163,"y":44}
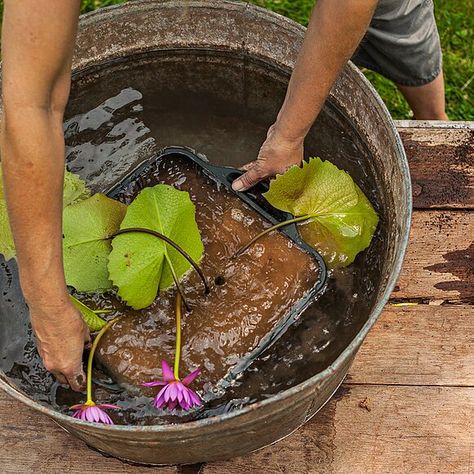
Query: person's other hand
{"x":61,"y":334}
{"x":276,"y":155}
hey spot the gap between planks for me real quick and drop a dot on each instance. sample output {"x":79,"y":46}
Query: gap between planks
{"x":374,"y":430}
{"x":381,"y":420}
{"x":418,"y":345}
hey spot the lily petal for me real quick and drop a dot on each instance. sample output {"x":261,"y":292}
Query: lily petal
{"x":194,"y":398}
{"x":105,"y":418}
{"x":186,"y":396}
{"x":108,"y":406}
{"x":168,"y":375}
{"x":173,"y":391}
{"x":96,"y":412}
{"x":180,"y":389}
{"x":185,"y":405}
{"x":167,"y":393}
{"x":189,"y":379}
{"x":172,"y":405}
{"x":156,"y":383}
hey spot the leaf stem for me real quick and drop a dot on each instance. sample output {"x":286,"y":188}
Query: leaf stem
{"x":267,"y":231}
{"x":177,"y":283}
{"x":91,"y":357}
{"x":91,"y":318}
{"x":159,"y":235}
{"x":177,"y":355}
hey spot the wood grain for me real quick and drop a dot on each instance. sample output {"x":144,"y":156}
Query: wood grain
{"x":419,"y":345}
{"x":441,"y":166}
{"x":375,"y":430}
{"x":439,"y":264}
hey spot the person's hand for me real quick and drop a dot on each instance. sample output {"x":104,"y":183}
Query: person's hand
{"x":61,"y":334}
{"x":276,"y":155}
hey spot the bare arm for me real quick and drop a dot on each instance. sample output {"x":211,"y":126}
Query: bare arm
{"x":334,"y":32}
{"x":37,"y":44}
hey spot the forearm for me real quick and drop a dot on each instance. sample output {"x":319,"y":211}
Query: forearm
{"x":334,"y":32}
{"x":33,"y":170}
{"x":35,"y":88}
{"x":37,"y":46}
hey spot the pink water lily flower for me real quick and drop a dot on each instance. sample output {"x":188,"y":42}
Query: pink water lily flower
{"x":94,"y":413}
{"x":175,"y":393}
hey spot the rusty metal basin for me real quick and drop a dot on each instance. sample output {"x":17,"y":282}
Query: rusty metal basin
{"x":245,"y":54}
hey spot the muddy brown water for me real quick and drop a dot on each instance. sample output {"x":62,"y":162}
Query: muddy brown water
{"x":257,"y":288}
{"x":120,"y":114}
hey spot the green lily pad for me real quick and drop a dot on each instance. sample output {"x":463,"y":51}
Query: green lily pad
{"x":140,"y":264}
{"x":88,"y":227}
{"x":7,"y":247}
{"x":341,"y":220}
{"x":75,"y":190}
{"x":94,"y":322}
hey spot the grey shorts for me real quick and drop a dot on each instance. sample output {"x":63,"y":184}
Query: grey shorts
{"x":402,"y":42}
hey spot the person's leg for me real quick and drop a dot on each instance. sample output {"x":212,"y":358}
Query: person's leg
{"x":402,"y":43}
{"x":427,"y":101}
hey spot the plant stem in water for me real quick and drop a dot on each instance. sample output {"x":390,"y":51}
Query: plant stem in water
{"x":267,"y":231}
{"x":91,"y":357}
{"x":177,"y":354}
{"x":177,"y":283}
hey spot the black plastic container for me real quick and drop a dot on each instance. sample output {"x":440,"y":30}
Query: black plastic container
{"x":224,"y":176}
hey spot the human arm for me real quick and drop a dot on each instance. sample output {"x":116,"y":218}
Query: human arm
{"x":37,"y":43}
{"x":335,"y":29}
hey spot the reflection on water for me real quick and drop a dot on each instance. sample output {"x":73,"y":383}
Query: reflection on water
{"x":110,"y":136}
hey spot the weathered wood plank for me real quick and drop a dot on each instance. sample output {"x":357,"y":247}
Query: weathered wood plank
{"x":435,"y":124}
{"x":30,"y":443}
{"x":440,"y":259}
{"x":441,"y":165}
{"x":419,"y":345}
{"x":402,"y":430}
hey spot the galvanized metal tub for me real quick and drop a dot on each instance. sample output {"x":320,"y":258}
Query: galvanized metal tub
{"x":232,"y":29}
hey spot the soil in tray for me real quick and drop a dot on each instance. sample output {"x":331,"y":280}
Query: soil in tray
{"x":249,"y":295}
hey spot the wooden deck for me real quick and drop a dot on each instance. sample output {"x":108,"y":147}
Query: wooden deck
{"x":407,"y":405}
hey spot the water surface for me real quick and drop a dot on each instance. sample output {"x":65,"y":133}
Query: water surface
{"x":119,"y":115}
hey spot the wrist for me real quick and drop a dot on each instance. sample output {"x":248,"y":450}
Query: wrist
{"x":56,"y":312}
{"x":284,"y":134}
{"x":51,"y":293}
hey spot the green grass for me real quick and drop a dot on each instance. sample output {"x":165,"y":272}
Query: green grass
{"x":455,"y":20}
